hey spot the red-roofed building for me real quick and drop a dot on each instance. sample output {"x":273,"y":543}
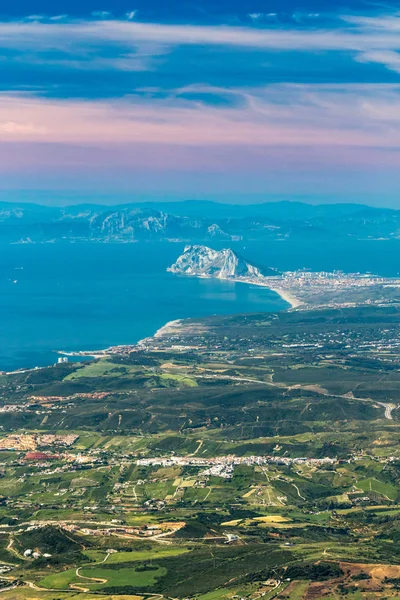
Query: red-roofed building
{"x":40,"y":456}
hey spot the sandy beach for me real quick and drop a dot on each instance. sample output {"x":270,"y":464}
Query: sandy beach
{"x":286,"y":296}
{"x":172,"y":327}
{"x":168,"y":328}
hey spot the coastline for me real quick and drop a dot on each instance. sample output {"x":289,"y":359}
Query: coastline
{"x":287,"y":297}
{"x":167,"y":329}
{"x":171,"y":326}
{"x":282,"y":293}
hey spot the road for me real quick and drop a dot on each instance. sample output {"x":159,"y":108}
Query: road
{"x":298,"y":491}
{"x":389,"y":408}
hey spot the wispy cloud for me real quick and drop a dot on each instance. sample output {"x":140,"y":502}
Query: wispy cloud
{"x":281,"y":115}
{"x":193,"y":88}
{"x":57,"y":50}
{"x":101,"y":14}
{"x":45,"y":33}
{"x":355,"y":34}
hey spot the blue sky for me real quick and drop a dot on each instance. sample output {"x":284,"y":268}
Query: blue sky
{"x":180,"y":10}
{"x":227,"y":100}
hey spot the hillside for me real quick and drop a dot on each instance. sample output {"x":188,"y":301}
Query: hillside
{"x":261,"y":450}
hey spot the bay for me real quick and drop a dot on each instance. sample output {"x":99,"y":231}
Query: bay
{"x":90,"y":296}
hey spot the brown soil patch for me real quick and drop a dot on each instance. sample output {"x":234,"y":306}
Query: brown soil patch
{"x":373,"y":585}
{"x":377,"y":572}
{"x":318,"y":590}
{"x":382,"y":571}
{"x":288,"y":590}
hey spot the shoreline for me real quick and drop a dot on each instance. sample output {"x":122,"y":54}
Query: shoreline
{"x":282,"y":293}
{"x":166,"y":329}
{"x":170,"y":326}
{"x":285,"y":295}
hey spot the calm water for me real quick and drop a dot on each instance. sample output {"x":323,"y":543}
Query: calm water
{"x":89,"y":296}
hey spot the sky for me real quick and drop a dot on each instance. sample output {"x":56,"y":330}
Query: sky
{"x":228,"y":100}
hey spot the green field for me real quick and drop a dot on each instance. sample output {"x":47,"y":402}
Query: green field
{"x":310,"y":390}
{"x":372,"y":484}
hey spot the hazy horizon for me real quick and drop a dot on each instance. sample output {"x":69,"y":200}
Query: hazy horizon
{"x":65,"y":202}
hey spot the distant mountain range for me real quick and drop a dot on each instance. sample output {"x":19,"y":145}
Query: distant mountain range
{"x":194,"y":221}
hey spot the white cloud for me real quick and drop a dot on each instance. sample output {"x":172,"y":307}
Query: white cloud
{"x":58,"y":18}
{"x":35,"y":17}
{"x":101,"y":14}
{"x":386,"y":22}
{"x":388,"y":58}
{"x":372,"y":40}
{"x":359,"y":36}
{"x":20,"y":129}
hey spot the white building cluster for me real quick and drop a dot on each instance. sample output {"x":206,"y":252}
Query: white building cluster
{"x":223,"y":466}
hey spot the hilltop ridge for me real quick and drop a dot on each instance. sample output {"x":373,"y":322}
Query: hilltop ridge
{"x":194,"y":222}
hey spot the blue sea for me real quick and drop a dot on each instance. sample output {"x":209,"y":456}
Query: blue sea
{"x":90,"y":296}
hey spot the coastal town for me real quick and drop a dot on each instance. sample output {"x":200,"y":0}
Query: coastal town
{"x":301,"y":289}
